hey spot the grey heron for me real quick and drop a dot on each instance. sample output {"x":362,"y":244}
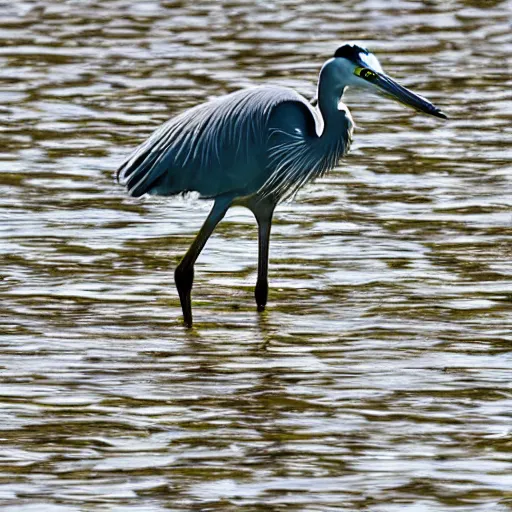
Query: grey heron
{"x":254,"y":148}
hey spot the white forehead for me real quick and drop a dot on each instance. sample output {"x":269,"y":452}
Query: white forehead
{"x":371,"y":61}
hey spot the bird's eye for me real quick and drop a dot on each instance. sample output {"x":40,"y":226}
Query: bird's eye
{"x":365,"y":73}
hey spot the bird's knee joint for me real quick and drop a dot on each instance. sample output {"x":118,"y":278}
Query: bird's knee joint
{"x":184,"y":277}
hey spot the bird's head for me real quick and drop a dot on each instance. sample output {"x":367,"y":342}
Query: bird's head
{"x":357,"y":67}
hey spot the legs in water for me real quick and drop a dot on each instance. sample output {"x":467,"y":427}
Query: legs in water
{"x":263,"y":211}
{"x":184,"y":273}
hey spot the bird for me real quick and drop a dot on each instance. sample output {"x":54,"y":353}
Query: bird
{"x":256,"y":147}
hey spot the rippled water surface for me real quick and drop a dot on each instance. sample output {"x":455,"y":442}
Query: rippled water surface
{"x":378,"y":379}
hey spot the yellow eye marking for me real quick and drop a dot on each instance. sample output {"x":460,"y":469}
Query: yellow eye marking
{"x":365,"y":73}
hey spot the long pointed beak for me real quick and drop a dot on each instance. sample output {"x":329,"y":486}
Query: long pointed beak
{"x":399,"y":93}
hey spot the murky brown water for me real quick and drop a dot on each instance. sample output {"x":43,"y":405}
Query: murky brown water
{"x":380,"y":377}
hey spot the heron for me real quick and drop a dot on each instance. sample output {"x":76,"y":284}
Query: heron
{"x":255,"y":148}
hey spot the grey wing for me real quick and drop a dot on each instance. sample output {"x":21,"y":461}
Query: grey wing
{"x":215,"y":148}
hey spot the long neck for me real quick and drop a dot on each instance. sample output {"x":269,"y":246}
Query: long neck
{"x":329,"y":95}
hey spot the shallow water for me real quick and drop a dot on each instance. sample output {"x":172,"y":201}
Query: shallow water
{"x":380,"y":376}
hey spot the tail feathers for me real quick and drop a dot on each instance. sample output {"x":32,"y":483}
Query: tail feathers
{"x":140,"y":174}
{"x":144,"y":176}
{"x":129,"y":166}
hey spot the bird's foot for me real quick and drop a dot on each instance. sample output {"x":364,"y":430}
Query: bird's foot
{"x":261,"y":294}
{"x":184,"y":277}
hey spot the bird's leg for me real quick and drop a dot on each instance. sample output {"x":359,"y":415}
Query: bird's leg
{"x":263,"y":212}
{"x":184,"y":273}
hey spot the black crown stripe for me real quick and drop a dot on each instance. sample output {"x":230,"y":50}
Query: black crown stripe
{"x":350,"y":52}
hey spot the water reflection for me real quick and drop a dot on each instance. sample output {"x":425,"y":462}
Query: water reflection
{"x":379,"y":378}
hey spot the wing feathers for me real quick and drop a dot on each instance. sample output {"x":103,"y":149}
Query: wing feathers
{"x":260,"y":140}
{"x":214,"y":148}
